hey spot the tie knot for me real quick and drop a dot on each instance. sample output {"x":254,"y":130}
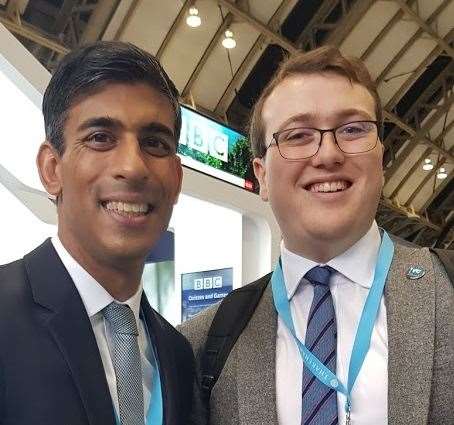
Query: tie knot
{"x":319,"y":275}
{"x":121,"y":319}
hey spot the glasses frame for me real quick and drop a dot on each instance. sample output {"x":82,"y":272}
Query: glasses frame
{"x":322,"y":132}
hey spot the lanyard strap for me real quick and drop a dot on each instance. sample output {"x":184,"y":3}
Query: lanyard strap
{"x":365,"y":326}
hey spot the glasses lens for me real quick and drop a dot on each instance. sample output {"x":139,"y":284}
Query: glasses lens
{"x":357,"y":137}
{"x":298,"y":143}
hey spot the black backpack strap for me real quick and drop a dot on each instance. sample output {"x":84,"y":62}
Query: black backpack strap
{"x":447,"y":259}
{"x":231,"y":318}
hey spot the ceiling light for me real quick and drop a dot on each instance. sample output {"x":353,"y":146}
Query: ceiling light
{"x":442,"y":174}
{"x":229,"y":42}
{"x":193,"y":20}
{"x":427,"y":165}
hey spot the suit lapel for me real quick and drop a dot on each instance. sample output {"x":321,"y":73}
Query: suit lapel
{"x":256,"y":376}
{"x":166,"y":361}
{"x":410,"y":306}
{"x":70,"y":327}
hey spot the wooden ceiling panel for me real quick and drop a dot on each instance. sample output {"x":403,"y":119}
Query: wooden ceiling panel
{"x":408,"y":63}
{"x":216,"y":74}
{"x":390,"y":45}
{"x":262,"y":10}
{"x":401,"y":172}
{"x":149,"y":23}
{"x":425,"y":8}
{"x":365,"y":31}
{"x":187,"y":45}
{"x":445,"y":22}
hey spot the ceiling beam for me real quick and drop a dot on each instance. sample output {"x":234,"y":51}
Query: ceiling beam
{"x":416,"y":111}
{"x":125,"y":22}
{"x":417,"y":72}
{"x":206,"y":54}
{"x":248,"y":61}
{"x":176,"y":23}
{"x":426,"y":178}
{"x":404,"y":154}
{"x":359,"y":9}
{"x":396,"y":58}
{"x":32,"y":34}
{"x":99,"y":20}
{"x":437,"y":191}
{"x":409,"y":148}
{"x":264,"y":29}
{"x":419,"y":136}
{"x":384,"y":31}
{"x":413,"y":15}
{"x":410,"y":215}
{"x":307,"y":34}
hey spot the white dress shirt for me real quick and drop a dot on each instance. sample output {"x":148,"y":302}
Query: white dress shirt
{"x":349,"y":288}
{"x":95,"y":298}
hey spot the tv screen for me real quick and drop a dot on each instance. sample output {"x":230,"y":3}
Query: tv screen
{"x":215,"y":149}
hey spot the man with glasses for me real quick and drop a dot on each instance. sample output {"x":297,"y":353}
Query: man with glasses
{"x":352,"y":327}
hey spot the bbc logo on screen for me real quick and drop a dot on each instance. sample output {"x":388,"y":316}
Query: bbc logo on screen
{"x":208,"y":283}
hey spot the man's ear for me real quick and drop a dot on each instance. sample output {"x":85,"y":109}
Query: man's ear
{"x":260,"y":174}
{"x":48,"y":162}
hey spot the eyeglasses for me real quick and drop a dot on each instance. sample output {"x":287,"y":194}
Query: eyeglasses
{"x":300,"y":143}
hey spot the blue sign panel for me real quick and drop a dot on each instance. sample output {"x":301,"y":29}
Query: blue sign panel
{"x":202,"y":289}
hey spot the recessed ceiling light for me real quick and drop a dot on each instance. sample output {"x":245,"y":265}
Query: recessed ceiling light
{"x":193,"y":20}
{"x":229,"y":42}
{"x":442,"y":174}
{"x":427,"y":165}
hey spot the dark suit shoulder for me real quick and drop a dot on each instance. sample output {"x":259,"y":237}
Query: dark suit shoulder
{"x":14,"y":286}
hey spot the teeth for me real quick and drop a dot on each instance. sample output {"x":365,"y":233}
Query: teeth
{"x":127,"y":207}
{"x":329,"y":186}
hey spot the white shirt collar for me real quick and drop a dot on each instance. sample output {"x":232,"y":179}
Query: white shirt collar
{"x":356,"y":264}
{"x":93,"y":294}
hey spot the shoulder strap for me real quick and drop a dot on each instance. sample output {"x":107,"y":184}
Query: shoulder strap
{"x":231,"y":318}
{"x":447,"y":259}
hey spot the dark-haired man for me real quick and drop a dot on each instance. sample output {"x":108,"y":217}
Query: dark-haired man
{"x":79,"y":343}
{"x":351,"y":327}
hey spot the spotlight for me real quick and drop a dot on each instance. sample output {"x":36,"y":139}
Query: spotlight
{"x":229,"y":42}
{"x":193,"y":20}
{"x":442,"y":174}
{"x":427,"y":165}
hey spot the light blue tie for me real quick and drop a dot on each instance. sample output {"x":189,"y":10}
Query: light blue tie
{"x":319,"y":402}
{"x":126,"y":362}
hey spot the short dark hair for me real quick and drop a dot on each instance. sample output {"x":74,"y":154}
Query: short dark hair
{"x":92,"y":66}
{"x":323,"y":59}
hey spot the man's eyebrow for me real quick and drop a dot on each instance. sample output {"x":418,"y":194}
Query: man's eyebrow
{"x":156,"y":127}
{"x":103,"y":122}
{"x":345,"y":113}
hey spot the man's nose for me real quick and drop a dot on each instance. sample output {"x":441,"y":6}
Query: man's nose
{"x":130,"y":160}
{"x":329,"y":153}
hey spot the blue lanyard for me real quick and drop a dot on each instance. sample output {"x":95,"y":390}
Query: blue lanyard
{"x":156,"y":409}
{"x":363,"y":333}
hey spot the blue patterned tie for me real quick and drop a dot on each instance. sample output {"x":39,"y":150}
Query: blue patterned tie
{"x":319,"y":402}
{"x":126,"y":362}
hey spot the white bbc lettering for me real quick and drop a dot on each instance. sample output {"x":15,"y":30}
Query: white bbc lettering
{"x":217,"y":282}
{"x":208,"y":283}
{"x":219,"y":145}
{"x":197,"y":139}
{"x":200,"y":136}
{"x":198,"y":284}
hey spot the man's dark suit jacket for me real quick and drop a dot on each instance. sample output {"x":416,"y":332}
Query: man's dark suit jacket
{"x":51,"y":372}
